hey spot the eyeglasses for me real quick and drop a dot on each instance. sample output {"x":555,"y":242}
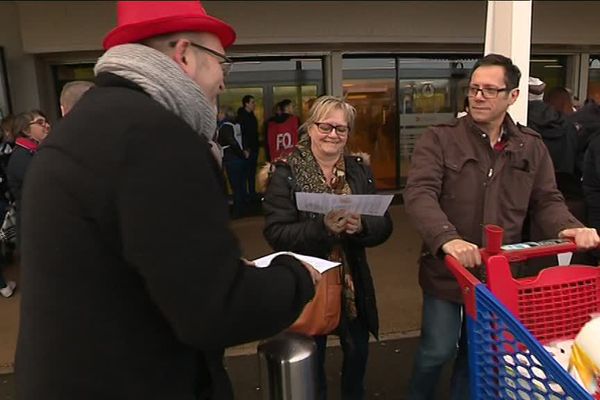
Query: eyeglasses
{"x":340,"y":130}
{"x":39,"y":121}
{"x":488,"y":93}
{"x":225,"y":62}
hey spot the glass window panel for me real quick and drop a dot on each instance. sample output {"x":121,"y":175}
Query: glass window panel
{"x":551,"y":69}
{"x":66,"y":73}
{"x":369,"y":85}
{"x":301,"y":97}
{"x":594,"y":78}
{"x":431,"y":91}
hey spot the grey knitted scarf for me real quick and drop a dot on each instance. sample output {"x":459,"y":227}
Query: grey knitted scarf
{"x":165,"y":82}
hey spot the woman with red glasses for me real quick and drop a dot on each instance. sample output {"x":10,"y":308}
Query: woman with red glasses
{"x":30,"y":129}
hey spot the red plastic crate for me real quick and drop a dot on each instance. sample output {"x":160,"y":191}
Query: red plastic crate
{"x":553,"y":306}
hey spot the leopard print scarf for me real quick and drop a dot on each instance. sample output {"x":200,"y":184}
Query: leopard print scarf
{"x":310,"y":178}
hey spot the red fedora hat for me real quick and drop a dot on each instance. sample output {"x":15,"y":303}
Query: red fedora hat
{"x":139,"y":20}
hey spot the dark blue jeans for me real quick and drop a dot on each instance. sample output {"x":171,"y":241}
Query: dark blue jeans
{"x":354,"y":339}
{"x":441,"y":341}
{"x":251,"y":174}
{"x":236,"y":173}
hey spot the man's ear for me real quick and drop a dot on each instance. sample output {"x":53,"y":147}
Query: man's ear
{"x":179,"y":53}
{"x":514,"y":94}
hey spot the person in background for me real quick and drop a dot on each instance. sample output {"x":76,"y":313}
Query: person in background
{"x":133,"y":282}
{"x":249,"y":124}
{"x":7,"y":143}
{"x":560,"y":137}
{"x":71,"y":93}
{"x":319,"y":164}
{"x":476,"y":170}
{"x":560,"y":99}
{"x":7,"y":288}
{"x":282,"y":130}
{"x":30,"y":129}
{"x":588,"y":117}
{"x":234,"y":158}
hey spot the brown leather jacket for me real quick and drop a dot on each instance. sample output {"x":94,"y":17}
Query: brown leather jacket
{"x":457,"y":184}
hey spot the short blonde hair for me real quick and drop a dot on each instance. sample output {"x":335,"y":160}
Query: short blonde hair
{"x":323,"y":106}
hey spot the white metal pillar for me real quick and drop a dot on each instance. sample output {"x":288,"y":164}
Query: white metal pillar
{"x":508,"y":32}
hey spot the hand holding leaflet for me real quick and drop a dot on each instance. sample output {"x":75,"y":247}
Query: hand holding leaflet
{"x":364,"y":204}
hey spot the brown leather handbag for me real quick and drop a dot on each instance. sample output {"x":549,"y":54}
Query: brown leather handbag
{"x":322,"y":314}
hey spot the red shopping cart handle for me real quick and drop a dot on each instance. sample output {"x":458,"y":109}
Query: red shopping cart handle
{"x":527,"y":250}
{"x":513,"y":253}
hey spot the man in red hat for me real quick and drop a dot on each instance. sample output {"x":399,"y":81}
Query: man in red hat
{"x":131,"y":276}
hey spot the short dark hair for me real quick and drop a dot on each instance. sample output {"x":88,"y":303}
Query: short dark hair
{"x":283,"y":104}
{"x":246,"y":99}
{"x":512,"y":75}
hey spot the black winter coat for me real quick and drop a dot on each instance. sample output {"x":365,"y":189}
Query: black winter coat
{"x":129,"y":269}
{"x":249,"y":124}
{"x":286,"y":228}
{"x":561,"y":138}
{"x":591,"y":183}
{"x":18,"y":164}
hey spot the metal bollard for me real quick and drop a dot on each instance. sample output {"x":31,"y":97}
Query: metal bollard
{"x":288,"y":367}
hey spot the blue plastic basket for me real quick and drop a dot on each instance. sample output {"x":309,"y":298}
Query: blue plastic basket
{"x":507,"y":362}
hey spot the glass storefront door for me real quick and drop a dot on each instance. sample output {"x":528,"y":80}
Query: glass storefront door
{"x":271,"y":80}
{"x":369,"y":85}
{"x":552,"y":69}
{"x":397,"y":98}
{"x":431,"y":91}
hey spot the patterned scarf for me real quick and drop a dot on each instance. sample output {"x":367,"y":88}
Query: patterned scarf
{"x":310,"y":178}
{"x":166,"y":83}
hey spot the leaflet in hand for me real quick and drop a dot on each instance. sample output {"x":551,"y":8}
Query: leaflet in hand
{"x":365,"y":204}
{"x":319,"y":264}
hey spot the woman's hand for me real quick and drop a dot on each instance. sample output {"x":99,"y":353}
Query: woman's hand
{"x":353,"y":223}
{"x":335,"y":221}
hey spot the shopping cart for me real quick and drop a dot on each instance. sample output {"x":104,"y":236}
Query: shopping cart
{"x":509,"y":321}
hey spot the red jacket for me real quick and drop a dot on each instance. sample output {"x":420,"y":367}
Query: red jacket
{"x":282,"y":135}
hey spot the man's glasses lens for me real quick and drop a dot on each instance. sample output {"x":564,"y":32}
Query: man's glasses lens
{"x":488,"y":93}
{"x":327,"y":128}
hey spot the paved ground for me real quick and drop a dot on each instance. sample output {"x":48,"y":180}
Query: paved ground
{"x":387,"y":376}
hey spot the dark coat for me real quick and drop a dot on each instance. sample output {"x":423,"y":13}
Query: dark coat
{"x":286,"y":228}
{"x":561,"y":138}
{"x":457,"y":184}
{"x":232,"y":150}
{"x":18,"y":164}
{"x":249,"y":124}
{"x":591,"y":183}
{"x":129,"y":269}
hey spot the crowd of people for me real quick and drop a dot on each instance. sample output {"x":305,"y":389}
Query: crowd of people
{"x":125,"y":203}
{"x":21,"y":136}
